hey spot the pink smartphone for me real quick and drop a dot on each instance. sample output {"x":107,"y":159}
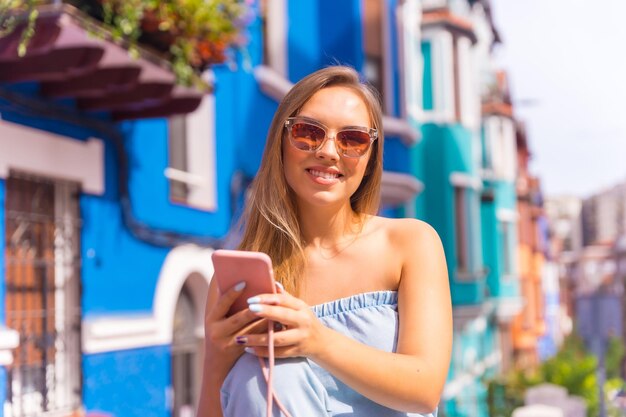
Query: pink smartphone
{"x":235,"y":266}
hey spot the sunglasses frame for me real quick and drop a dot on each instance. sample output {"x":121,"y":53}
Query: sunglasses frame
{"x":290,"y":121}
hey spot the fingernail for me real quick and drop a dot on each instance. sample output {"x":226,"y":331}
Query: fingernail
{"x":279,"y":285}
{"x":255,"y":308}
{"x":241,"y":340}
{"x":249,"y":350}
{"x":240,"y":286}
{"x":254,"y":300}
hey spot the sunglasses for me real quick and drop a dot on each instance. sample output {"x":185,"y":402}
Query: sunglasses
{"x":309,"y":135}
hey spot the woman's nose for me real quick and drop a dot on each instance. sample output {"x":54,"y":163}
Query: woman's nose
{"x":328,"y":149}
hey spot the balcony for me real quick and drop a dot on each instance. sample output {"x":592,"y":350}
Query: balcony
{"x":73,"y":57}
{"x":457,"y":7}
{"x":496,"y":97}
{"x":454,"y":15}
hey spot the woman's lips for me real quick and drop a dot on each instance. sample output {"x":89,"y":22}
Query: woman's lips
{"x":324,"y":176}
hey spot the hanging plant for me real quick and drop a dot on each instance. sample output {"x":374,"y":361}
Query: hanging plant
{"x":195,"y":34}
{"x":192,"y":34}
{"x":10,"y":12}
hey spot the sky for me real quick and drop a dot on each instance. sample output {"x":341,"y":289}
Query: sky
{"x":566,"y":62}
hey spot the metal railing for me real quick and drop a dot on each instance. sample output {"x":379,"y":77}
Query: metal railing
{"x":42,"y":296}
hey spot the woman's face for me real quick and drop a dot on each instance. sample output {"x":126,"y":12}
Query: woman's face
{"x":324,"y":176}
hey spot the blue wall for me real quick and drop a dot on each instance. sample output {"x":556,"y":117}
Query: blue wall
{"x":147,"y":145}
{"x":2,"y":256}
{"x":3,"y":374}
{"x":321,"y":33}
{"x":396,"y":157}
{"x":128,"y":383}
{"x":119,"y":273}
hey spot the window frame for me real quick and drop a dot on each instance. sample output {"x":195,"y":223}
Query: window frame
{"x":197,"y":170}
{"x":467,"y":229}
{"x":273,"y":15}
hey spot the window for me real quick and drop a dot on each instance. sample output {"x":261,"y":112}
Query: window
{"x":179,"y":189}
{"x":467,"y":232}
{"x":508,"y":247}
{"x":273,"y":20}
{"x":500,"y":151}
{"x":487,"y":149}
{"x":457,"y":79}
{"x":373,"y":39}
{"x":467,"y":98}
{"x":449,"y":78}
{"x":409,"y":21}
{"x":427,"y":79}
{"x":462,"y":226}
{"x":186,"y":372}
{"x":42,"y":296}
{"x":439,"y":77}
{"x":192,"y":170}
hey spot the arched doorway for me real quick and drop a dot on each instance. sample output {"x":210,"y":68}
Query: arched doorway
{"x":186,"y":355}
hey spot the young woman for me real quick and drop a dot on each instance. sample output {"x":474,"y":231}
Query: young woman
{"x":366,"y":313}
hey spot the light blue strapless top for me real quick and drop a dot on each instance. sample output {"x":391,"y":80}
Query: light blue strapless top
{"x":372,"y":319}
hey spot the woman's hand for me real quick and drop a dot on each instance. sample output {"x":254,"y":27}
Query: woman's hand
{"x":301,"y":334}
{"x":221,"y":349}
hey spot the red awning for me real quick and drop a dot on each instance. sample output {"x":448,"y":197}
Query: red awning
{"x":68,"y":61}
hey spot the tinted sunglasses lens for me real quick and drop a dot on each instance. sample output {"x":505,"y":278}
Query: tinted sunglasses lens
{"x":306,"y":137}
{"x":353,"y":143}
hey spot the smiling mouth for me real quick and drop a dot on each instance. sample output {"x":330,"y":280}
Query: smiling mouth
{"x":325,"y":175}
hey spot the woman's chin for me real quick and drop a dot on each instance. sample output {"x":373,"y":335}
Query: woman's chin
{"x":323,"y":199}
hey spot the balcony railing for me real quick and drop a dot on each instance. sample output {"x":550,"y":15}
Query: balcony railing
{"x":73,"y":56}
{"x":457,"y":7}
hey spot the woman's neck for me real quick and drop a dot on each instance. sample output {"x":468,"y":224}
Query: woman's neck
{"x":329,"y":228}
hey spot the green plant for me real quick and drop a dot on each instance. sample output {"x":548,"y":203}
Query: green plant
{"x":573,"y":368}
{"x":193,"y":34}
{"x":196,"y":33}
{"x":10,"y":10}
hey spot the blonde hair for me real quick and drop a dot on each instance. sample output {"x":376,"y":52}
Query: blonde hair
{"x":270,"y":220}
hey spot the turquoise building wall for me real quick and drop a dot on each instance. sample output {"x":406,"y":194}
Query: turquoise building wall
{"x":449,"y":148}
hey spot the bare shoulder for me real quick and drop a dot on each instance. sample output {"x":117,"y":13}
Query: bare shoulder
{"x":409,"y":234}
{"x":417,"y":249}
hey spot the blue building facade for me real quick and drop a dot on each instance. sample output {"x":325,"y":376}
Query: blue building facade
{"x":137,"y":196}
{"x":113,"y":200}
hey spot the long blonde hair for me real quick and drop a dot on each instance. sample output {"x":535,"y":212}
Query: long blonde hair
{"x":270,"y":219}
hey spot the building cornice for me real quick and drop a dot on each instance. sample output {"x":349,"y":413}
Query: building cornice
{"x":496,"y":108}
{"x":398,"y":188}
{"x":507,"y":308}
{"x":464,"y":179}
{"x":465,"y":316}
{"x":40,"y":152}
{"x":443,"y":17}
